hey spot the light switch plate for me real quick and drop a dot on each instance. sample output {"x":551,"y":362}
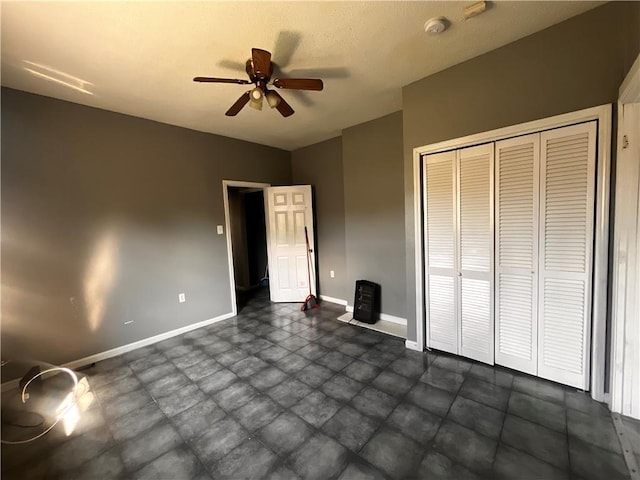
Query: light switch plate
{"x":220,"y":230}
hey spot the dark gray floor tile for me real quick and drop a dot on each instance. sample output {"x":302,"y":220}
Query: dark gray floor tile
{"x":217,"y":347}
{"x":193,"y":421}
{"x":151,"y":444}
{"x":293,"y":343}
{"x":476,"y":416}
{"x":107,"y":392}
{"x":316,"y":408}
{"x":336,"y":361}
{"x":312,"y":351}
{"x":175,"y":402}
{"x":99,"y":379}
{"x":190,"y":359}
{"x":139,"y":353}
{"x":218,"y":440}
{"x":352,"y":349}
{"x":273,"y":354}
{"x":582,"y":401}
{"x":462,"y":445}
{"x":289,"y":392}
{"x":431,"y":398}
{"x":285,"y":434}
{"x":136,"y":422}
{"x":230,"y":357}
{"x":361,"y":470}
{"x":248,"y":366}
{"x":314,"y":375}
{"x":125,"y":403}
{"x":514,"y":464}
{"x":551,"y":415}
{"x":76,"y":451}
{"x":168,"y":383}
{"x":411,"y":366}
{"x":202,"y":369}
{"x":311,"y":334}
{"x":319,"y":458}
{"x":250,"y":460}
{"x":597,"y":430}
{"x":443,"y":378}
{"x":392,"y":383}
{"x":295,"y":327}
{"x":106,"y":466}
{"x":594,"y":463}
{"x":292,"y":363}
{"x":257,"y":412}
{"x":179,"y":351}
{"x":392,"y":452}
{"x":171,"y":343}
{"x":281,"y":472}
{"x":632,"y":430}
{"x":277,"y":336}
{"x":342,"y":388}
{"x":217,"y":381}
{"x":536,"y":440}
{"x":241,"y":338}
{"x":330,"y":342}
{"x":154,"y":373}
{"x":235,"y":395}
{"x":350,"y":428}
{"x":493,"y":375}
{"x":436,"y":466}
{"x":210,"y":339}
{"x":362,"y":371}
{"x":487,"y":393}
{"x":178,"y":463}
{"x":415,"y":422}
{"x":378,"y":358}
{"x":145,"y":363}
{"x":374,"y":403}
{"x":267,"y":378}
{"x":537,"y":387}
{"x":455,"y":364}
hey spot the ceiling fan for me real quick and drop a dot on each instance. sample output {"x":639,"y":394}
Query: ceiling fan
{"x":260,"y":68}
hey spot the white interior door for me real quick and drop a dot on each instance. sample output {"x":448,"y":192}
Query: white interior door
{"x":440,"y":221}
{"x":475,"y":271}
{"x":517,"y":192}
{"x":288,"y":210}
{"x":567,"y":178}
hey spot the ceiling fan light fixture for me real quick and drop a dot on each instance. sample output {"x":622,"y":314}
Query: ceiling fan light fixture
{"x":273,"y":100}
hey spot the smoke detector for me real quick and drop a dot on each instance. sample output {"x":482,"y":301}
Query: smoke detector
{"x":435,"y":25}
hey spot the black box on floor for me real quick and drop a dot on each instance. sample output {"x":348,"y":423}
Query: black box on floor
{"x":366,"y":306}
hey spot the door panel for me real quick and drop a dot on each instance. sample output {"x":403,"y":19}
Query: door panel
{"x":517,"y":186}
{"x":441,"y":240}
{"x":567,"y":173}
{"x":475,"y":214}
{"x":288,"y":211}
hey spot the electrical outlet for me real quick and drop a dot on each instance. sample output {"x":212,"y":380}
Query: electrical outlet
{"x":332,"y":274}
{"x":220,"y":229}
{"x":181,"y":298}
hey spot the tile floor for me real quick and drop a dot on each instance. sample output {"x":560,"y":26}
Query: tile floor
{"x":276,"y":393}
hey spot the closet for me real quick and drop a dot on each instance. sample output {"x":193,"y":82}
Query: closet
{"x":515,"y":291}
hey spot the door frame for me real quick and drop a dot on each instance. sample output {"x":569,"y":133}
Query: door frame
{"x":227,"y":223}
{"x":603,"y":115}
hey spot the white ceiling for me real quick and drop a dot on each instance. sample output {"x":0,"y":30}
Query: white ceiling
{"x":139,"y":58}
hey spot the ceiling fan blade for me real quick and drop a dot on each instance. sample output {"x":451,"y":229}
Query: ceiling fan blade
{"x":299,"y":83}
{"x":236,"y":107}
{"x":249,"y":69}
{"x":220,"y":80}
{"x":261,"y":63}
{"x":283,"y":107}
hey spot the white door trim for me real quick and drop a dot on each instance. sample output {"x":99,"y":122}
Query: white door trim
{"x":602,"y":114}
{"x":225,"y":194}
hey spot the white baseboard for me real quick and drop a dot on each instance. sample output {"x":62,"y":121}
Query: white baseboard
{"x":411,"y":345}
{"x":337,"y":301}
{"x":114,"y":352}
{"x":384,"y":316}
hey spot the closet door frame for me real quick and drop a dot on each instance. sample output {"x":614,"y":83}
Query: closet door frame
{"x":603,"y":115}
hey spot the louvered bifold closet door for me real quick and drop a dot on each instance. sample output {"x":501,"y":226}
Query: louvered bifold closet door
{"x":567,"y":178}
{"x":475,"y":217}
{"x":440,"y":245}
{"x":517,"y":175}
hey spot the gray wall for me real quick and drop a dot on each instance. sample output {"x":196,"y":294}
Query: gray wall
{"x":374,"y":209}
{"x":118,"y":214}
{"x":320,"y":165}
{"x":576,"y":64}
